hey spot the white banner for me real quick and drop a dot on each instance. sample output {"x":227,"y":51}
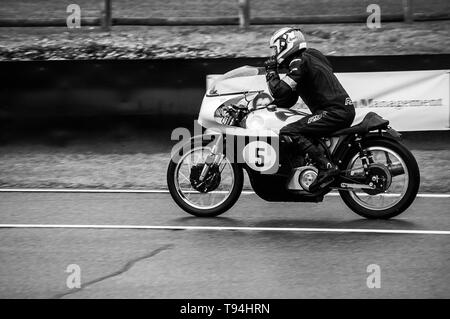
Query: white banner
{"x":410,"y":100}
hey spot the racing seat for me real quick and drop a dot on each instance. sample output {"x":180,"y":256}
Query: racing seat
{"x":372,"y":121}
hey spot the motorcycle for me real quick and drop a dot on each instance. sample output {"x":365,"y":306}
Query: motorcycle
{"x":379,"y":177}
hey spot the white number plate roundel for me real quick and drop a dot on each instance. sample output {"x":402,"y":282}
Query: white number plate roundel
{"x":260,"y":156}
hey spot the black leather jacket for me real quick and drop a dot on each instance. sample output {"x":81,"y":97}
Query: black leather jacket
{"x":311,"y":77}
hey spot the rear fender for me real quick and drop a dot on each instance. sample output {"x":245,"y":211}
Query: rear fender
{"x":348,"y":143}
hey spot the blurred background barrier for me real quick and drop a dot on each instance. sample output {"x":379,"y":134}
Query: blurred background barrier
{"x":156,"y":93}
{"x":244,"y":13}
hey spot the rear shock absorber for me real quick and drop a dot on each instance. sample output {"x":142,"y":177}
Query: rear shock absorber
{"x":362,"y":154}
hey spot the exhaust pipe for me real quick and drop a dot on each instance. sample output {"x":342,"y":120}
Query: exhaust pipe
{"x":396,"y":169}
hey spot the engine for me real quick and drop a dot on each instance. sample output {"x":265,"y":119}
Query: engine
{"x":302,"y":177}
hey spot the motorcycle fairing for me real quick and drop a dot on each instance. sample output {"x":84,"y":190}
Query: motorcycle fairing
{"x":257,"y":151}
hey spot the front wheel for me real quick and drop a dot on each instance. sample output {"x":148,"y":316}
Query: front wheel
{"x":395,"y":172}
{"x":217,"y":192}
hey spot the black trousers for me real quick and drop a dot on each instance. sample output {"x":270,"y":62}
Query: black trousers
{"x":321,"y":123}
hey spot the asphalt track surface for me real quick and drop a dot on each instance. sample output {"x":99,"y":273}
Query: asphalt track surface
{"x":255,"y":250}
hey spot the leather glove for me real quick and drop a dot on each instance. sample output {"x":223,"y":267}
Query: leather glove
{"x":271,"y":64}
{"x":271,"y":68}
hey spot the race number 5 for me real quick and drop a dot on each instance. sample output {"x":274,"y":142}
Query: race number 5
{"x":260,"y":156}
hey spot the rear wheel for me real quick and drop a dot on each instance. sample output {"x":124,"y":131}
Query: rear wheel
{"x":393,"y":172}
{"x":212,"y":196}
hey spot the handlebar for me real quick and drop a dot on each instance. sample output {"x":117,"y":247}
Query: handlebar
{"x":270,"y":108}
{"x":236,"y":108}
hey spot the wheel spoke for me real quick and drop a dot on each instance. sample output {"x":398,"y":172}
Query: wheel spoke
{"x":195,"y":198}
{"x":184,"y":176}
{"x":398,"y":184}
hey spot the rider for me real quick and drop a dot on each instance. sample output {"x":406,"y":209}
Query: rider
{"x":310,"y":76}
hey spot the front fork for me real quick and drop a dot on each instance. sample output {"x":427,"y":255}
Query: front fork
{"x":215,"y":157}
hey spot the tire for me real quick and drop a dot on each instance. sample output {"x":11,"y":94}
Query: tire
{"x":211,"y":212}
{"x":411,"y":191}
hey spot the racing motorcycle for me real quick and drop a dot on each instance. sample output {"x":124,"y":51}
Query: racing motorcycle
{"x":379,"y":177}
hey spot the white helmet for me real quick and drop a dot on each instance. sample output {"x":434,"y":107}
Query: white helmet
{"x":285,"y":42}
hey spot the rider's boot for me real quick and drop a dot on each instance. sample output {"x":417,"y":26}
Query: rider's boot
{"x":327,"y":170}
{"x":327,"y":173}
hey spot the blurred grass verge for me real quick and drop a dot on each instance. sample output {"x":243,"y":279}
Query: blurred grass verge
{"x":126,"y":42}
{"x":139,"y":42}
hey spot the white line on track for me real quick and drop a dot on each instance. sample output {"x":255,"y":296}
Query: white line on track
{"x":151,"y":191}
{"x":273,"y":229}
